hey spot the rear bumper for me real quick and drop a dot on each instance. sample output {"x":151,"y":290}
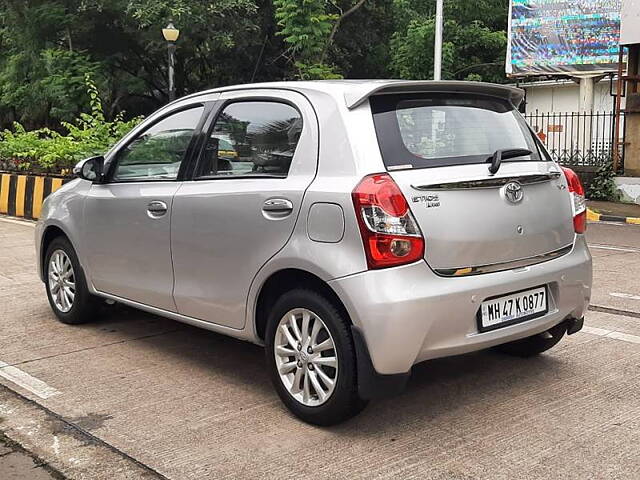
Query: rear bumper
{"x":409,"y":314}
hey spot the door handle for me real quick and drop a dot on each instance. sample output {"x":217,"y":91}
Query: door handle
{"x":278,"y":205}
{"x":156,"y":208}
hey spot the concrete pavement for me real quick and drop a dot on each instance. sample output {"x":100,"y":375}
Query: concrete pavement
{"x":616,"y":267}
{"x":134,"y":395}
{"x":615,"y":208}
{"x":16,"y":464}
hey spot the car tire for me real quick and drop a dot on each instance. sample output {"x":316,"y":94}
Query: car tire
{"x":83,"y":306}
{"x":534,"y":345}
{"x":343,"y":401}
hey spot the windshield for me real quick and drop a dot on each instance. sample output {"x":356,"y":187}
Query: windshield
{"x":452,"y":129}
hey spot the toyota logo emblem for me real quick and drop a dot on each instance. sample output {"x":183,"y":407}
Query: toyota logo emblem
{"x":513,"y":192}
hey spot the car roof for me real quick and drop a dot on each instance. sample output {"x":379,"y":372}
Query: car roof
{"x":355,"y":92}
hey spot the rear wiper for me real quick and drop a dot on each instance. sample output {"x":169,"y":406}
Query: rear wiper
{"x":499,"y":155}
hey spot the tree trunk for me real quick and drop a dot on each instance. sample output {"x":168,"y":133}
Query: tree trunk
{"x":334,"y":30}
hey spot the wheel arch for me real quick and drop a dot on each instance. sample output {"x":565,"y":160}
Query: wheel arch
{"x":50,"y":233}
{"x":282,"y":281}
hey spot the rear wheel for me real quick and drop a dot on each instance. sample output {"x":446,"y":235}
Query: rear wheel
{"x":311,"y":358}
{"x":67,"y":290}
{"x":534,"y":345}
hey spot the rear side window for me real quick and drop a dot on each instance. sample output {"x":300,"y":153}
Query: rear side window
{"x":252,"y":138}
{"x":417,"y":131}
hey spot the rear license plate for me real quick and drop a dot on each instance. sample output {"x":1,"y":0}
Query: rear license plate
{"x":509,"y":309}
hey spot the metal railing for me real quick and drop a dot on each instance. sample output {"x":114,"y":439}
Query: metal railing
{"x":579,"y":139}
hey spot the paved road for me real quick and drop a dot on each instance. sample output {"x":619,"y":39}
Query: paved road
{"x":616,"y":266}
{"x":135,"y":396}
{"x":16,"y":464}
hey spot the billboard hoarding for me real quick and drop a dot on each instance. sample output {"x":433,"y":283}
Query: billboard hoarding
{"x":566,"y":37}
{"x":630,"y":22}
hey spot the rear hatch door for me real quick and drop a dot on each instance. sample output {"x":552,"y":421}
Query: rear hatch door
{"x":436,"y":147}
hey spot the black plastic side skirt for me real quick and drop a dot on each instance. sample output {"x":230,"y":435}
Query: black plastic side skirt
{"x":371,"y":384}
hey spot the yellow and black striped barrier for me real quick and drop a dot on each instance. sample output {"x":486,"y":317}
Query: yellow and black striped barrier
{"x":593,"y":216}
{"x":22,"y":195}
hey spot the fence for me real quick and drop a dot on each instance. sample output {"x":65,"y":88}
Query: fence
{"x":579,"y":139}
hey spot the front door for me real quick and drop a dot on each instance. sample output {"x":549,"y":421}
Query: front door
{"x":128,"y":218}
{"x":241,"y":207}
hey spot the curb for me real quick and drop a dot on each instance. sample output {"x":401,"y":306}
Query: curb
{"x":599,"y":217}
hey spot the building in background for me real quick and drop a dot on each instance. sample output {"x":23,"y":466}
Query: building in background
{"x":575,"y":137}
{"x":563,"y":95}
{"x":630,"y":41}
{"x":564,"y":54}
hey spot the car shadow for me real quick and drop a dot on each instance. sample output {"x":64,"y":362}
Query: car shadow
{"x":438,"y":389}
{"x":446,"y":390}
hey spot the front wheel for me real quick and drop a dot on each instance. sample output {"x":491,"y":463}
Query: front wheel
{"x":311,"y":358}
{"x":67,"y":289}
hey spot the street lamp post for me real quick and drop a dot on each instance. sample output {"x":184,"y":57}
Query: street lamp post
{"x":437,"y":44}
{"x":171,"y":34}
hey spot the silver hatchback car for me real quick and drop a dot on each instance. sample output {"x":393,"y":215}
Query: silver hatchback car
{"x":353,"y":228}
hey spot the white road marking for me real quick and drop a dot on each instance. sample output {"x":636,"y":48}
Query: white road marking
{"x":625,"y":337}
{"x":26,"y":381}
{"x":26,"y":223}
{"x":595,"y":331}
{"x":56,"y":445}
{"x":630,"y":296}
{"x":617,"y":249}
{"x":607,"y":222}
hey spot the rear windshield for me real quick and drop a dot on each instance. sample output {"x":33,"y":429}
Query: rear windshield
{"x":417,"y":131}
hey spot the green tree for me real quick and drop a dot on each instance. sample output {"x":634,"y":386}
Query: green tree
{"x":47,"y":151}
{"x":47,"y":47}
{"x":305,"y":26}
{"x":42,"y":77}
{"x":309,"y":30}
{"x":216,"y":44}
{"x":474,"y":39}
{"x":360,"y":48}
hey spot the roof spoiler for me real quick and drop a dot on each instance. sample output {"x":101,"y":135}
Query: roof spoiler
{"x":356,"y":96}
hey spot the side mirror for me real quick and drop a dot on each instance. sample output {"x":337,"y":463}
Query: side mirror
{"x":90,"y":169}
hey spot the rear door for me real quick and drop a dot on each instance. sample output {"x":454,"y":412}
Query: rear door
{"x":259,"y":156}
{"x":436,"y":147}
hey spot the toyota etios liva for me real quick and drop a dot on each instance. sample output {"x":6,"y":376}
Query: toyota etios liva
{"x":353,"y":228}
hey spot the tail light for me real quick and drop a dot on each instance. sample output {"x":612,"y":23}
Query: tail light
{"x":389,"y":232}
{"x":578,"y":201}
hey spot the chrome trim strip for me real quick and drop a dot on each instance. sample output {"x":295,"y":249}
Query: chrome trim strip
{"x":490,"y":182}
{"x":498,"y":267}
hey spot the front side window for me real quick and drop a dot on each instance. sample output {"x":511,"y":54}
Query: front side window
{"x":156,"y":154}
{"x":252,"y":138}
{"x":437,"y":130}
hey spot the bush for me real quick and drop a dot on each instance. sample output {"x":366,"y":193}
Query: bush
{"x":48,"y":151}
{"x":603,"y":187}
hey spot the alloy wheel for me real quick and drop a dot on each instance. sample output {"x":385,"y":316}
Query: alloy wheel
{"x":62,"y":281}
{"x":306,"y":357}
